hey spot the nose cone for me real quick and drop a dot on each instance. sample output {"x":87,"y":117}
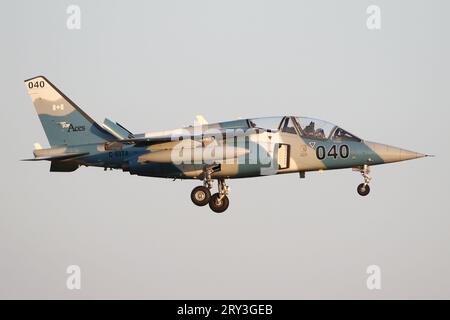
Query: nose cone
{"x":393,"y":154}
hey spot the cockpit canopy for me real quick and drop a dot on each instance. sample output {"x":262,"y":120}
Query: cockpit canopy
{"x":305,"y":127}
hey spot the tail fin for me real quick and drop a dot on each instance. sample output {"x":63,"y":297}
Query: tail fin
{"x":63,"y":121}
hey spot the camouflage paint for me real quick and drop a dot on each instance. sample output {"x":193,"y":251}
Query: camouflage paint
{"x":77,"y":140}
{"x":63,"y":121}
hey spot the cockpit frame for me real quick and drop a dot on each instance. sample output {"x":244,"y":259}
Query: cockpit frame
{"x":305,"y":127}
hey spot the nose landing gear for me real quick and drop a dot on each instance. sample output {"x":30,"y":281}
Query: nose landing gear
{"x":364,"y":189}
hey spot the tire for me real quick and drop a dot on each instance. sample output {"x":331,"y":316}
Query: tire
{"x":200,"y":196}
{"x":218,"y":206}
{"x":363,"y":190}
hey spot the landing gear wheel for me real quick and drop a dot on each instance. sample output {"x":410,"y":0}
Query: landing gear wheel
{"x":363,"y":189}
{"x":200,"y":196}
{"x":219,"y":205}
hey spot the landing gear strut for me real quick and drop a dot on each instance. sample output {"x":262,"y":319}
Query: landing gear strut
{"x":219,"y":201}
{"x":364,"y":189}
{"x":201,"y":195}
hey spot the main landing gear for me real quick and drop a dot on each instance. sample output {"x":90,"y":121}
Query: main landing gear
{"x":201,"y":195}
{"x":364,"y":189}
{"x":219,"y":201}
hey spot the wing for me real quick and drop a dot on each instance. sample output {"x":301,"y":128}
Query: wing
{"x":209,"y":135}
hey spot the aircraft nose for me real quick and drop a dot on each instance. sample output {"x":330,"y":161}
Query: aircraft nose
{"x":393,"y":154}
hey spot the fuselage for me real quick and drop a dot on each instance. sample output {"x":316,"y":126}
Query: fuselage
{"x":238,"y":149}
{"x":235,"y":149}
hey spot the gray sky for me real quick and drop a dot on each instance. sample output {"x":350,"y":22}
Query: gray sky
{"x":154,"y":65}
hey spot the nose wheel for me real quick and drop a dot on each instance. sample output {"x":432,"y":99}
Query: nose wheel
{"x":364,"y":189}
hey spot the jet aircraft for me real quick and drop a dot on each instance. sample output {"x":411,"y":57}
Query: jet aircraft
{"x":242,"y":148}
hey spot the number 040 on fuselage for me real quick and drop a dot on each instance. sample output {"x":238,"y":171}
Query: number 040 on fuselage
{"x":242,"y":148}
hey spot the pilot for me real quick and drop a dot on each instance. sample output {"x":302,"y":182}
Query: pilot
{"x":338,"y":134}
{"x":309,"y":129}
{"x":288,"y":126}
{"x":320,"y":133}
